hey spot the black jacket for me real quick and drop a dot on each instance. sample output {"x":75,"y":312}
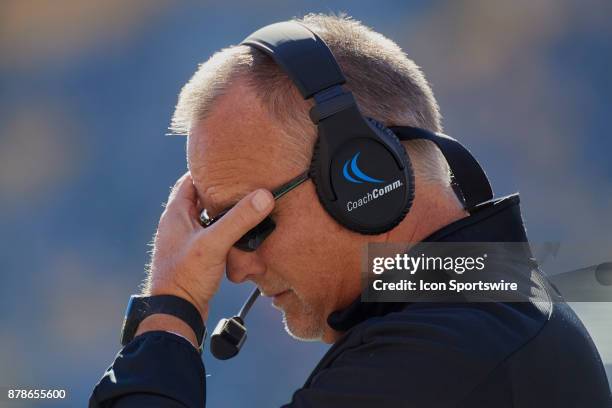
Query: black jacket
{"x":422,"y":354}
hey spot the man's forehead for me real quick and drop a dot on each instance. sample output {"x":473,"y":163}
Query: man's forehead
{"x":236,"y":149}
{"x":225,"y":167}
{"x":221,"y":180}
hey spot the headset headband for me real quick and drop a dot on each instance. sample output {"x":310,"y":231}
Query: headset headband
{"x":301,"y":54}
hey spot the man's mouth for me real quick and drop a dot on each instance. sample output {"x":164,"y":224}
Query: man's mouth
{"x":272,"y":293}
{"x":276,"y":297}
{"x":280,"y":293}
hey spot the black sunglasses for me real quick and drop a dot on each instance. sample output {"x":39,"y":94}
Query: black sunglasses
{"x":255,"y":237}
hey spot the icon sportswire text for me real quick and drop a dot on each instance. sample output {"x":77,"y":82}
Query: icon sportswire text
{"x":359,"y":176}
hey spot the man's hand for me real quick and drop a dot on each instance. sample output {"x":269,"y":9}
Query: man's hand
{"x":188,"y":260}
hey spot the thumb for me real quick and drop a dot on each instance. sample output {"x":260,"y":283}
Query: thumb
{"x":242,"y":217}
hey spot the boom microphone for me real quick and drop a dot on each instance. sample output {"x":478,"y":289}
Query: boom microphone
{"x":230,"y":334}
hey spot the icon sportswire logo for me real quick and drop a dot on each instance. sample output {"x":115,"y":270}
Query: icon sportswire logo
{"x":358,"y":176}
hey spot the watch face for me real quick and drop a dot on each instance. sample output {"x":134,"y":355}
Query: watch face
{"x":133,"y":317}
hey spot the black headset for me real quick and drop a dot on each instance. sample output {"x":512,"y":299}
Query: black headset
{"x":362,"y":173}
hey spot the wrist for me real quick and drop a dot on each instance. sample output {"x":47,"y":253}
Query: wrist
{"x":168,"y":323}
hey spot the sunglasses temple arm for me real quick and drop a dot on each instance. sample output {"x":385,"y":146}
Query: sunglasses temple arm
{"x":285,"y":188}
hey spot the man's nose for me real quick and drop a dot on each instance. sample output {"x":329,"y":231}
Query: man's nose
{"x":242,"y":265}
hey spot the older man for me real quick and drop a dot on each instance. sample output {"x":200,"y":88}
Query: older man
{"x":249,"y":132}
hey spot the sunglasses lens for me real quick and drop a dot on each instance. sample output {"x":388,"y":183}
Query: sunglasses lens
{"x":256,"y":236}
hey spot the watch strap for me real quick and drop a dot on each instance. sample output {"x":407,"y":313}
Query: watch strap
{"x":140,"y":307}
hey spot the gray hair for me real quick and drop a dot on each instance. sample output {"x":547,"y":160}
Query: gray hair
{"x":388,"y":86}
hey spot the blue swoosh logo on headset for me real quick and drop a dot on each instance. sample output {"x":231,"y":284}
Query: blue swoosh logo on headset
{"x":359,"y":176}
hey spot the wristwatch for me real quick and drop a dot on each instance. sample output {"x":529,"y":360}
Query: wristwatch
{"x":140,"y":307}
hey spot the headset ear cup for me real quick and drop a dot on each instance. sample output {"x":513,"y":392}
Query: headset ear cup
{"x":394,"y":141}
{"x":315,"y":175}
{"x":366,"y":222}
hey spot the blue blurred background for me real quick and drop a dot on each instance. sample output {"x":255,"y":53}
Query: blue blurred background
{"x":86,"y":92}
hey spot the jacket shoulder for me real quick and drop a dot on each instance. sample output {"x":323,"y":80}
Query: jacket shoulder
{"x":426,"y":348}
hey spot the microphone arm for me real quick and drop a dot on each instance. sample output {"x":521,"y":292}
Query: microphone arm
{"x":248,"y":304}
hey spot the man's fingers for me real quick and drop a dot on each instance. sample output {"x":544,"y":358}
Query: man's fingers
{"x":249,"y":212}
{"x":183,"y":195}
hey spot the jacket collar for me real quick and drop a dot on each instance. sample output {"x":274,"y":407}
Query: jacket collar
{"x":497,"y":220}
